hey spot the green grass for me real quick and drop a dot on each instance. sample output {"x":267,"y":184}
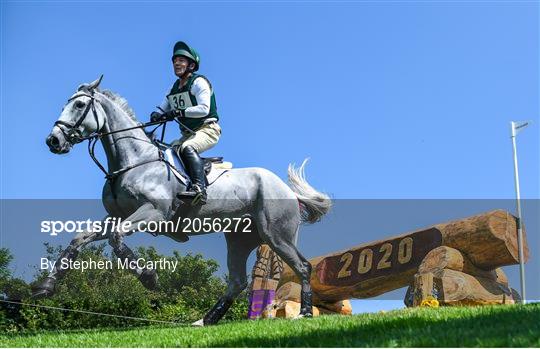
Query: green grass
{"x":493,"y":326}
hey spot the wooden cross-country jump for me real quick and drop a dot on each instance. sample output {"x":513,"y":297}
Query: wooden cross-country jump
{"x":455,"y":263}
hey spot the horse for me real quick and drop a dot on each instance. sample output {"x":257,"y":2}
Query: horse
{"x":139,"y":188}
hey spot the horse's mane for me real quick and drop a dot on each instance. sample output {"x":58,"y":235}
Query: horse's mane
{"x":120,"y":102}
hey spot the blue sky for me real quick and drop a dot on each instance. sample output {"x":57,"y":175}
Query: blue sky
{"x":394,"y":100}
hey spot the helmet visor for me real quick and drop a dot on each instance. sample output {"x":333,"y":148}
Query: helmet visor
{"x":183,"y":53}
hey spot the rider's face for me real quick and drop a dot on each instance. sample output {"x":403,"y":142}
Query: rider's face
{"x":180,"y":65}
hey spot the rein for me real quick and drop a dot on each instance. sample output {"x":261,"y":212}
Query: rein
{"x":74,"y":136}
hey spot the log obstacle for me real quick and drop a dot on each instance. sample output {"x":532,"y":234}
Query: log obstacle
{"x":457,"y":262}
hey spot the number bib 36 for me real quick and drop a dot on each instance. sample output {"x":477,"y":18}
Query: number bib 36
{"x":180,"y":100}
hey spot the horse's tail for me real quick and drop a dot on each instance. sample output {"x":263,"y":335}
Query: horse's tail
{"x":313,"y":204}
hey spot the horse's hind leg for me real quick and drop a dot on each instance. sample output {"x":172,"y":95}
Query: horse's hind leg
{"x":301,"y":266}
{"x":47,"y":286}
{"x":281,"y":237}
{"x":239,"y":246}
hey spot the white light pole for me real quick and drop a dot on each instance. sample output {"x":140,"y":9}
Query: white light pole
{"x":515,"y":128}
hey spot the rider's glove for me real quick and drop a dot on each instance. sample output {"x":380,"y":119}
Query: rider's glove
{"x":155,"y":116}
{"x":173,"y":114}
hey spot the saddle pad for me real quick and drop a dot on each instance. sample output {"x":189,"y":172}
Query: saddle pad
{"x":225,"y":165}
{"x":177,"y":168}
{"x":214,"y":174}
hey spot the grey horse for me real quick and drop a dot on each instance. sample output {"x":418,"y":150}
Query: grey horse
{"x":140,"y":188}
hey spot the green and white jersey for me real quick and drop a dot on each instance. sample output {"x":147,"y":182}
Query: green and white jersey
{"x":196,"y":98}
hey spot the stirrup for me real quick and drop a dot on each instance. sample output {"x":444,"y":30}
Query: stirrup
{"x":200,"y":195}
{"x":199,"y":199}
{"x":187,"y":194}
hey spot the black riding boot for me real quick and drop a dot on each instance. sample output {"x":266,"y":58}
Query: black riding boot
{"x":195,"y":167}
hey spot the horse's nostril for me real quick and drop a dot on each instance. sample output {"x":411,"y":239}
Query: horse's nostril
{"x":52,"y":141}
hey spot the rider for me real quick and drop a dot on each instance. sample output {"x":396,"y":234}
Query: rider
{"x":192,"y":102}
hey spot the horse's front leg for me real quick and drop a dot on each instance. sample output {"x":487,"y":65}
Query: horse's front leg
{"x":143,"y":214}
{"x":46,"y":287}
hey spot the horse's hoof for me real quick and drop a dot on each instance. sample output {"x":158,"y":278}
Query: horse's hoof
{"x":198,"y":323}
{"x":307,"y":316}
{"x":303,"y":315}
{"x":44,"y":289}
{"x":149,"y":279}
{"x":40,"y":294}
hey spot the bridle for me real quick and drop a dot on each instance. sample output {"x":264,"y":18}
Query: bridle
{"x":74,"y":136}
{"x":71,"y":132}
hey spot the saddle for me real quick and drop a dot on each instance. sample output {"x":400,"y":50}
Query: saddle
{"x":214,"y":167}
{"x":174,"y":159}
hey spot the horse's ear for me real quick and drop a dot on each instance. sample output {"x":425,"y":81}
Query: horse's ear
{"x":94,"y":84}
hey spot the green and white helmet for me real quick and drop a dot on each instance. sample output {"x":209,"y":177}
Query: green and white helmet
{"x":183,"y":49}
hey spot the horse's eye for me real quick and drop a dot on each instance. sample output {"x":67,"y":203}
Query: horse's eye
{"x":79,"y":104}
